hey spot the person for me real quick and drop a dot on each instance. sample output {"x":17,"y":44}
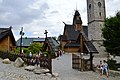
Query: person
{"x":37,"y":59}
{"x":60,"y":52}
{"x":105,"y":68}
{"x":99,"y":67}
{"x":30,"y":58}
{"x":30,"y":55}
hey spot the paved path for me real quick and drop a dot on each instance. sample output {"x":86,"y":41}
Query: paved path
{"x":63,"y":67}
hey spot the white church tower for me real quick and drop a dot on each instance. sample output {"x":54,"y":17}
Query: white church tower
{"x":96,"y":15}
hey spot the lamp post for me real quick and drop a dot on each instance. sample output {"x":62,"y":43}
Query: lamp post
{"x":21,"y":33}
{"x":82,"y":62}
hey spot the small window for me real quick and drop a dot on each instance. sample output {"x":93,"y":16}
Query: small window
{"x":99,"y":4}
{"x":100,"y":25}
{"x":100,"y":14}
{"x":89,"y":15}
{"x":89,"y":6}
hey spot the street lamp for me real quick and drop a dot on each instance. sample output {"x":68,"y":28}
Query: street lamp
{"x":21,"y":33}
{"x":82,"y":62}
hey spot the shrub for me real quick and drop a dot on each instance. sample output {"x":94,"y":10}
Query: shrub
{"x":112,"y":64}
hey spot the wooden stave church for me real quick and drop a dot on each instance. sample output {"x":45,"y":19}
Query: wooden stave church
{"x":75,"y":37}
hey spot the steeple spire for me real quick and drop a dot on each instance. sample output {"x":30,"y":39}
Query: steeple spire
{"x":77,"y":22}
{"x":76,"y":5}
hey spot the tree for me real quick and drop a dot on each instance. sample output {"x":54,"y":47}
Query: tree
{"x":59,"y":37}
{"x":111,"y":34}
{"x":35,"y":47}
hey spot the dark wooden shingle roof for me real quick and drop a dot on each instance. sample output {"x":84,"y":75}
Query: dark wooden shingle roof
{"x":7,"y":32}
{"x":72,"y":34}
{"x":52,"y":44}
{"x":88,"y":44}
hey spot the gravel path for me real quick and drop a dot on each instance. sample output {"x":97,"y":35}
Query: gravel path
{"x":10,"y":72}
{"x":63,"y":67}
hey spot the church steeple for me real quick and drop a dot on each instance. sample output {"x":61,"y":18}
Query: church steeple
{"x":77,"y":22}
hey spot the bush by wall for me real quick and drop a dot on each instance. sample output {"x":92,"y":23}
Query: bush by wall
{"x":112,"y":64}
{"x":11,"y":56}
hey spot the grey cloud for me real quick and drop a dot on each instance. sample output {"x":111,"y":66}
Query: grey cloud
{"x":53,"y":12}
{"x":19,"y":13}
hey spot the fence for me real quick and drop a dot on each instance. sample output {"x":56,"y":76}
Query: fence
{"x":44,"y":62}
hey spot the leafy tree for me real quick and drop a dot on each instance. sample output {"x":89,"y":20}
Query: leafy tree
{"x":59,"y":37}
{"x":17,"y":50}
{"x":111,"y":34}
{"x":54,"y":37}
{"x":35,"y":47}
{"x":26,"y":50}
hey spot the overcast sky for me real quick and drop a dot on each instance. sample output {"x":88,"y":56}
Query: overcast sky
{"x":36,"y":16}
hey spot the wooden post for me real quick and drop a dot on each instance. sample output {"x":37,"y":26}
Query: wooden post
{"x":91,"y":61}
{"x":50,"y":63}
{"x":8,"y":44}
{"x":81,"y":44}
{"x":81,"y":50}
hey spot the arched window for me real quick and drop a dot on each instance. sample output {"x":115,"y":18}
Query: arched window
{"x":89,"y":6}
{"x":99,"y":4}
{"x":100,"y":14}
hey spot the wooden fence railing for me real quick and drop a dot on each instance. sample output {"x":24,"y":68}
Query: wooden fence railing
{"x":44,"y":62}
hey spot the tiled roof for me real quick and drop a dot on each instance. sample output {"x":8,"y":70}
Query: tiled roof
{"x":90,"y":47}
{"x":38,"y":39}
{"x":53,"y":44}
{"x":3,"y":32}
{"x":27,"y":41}
{"x":88,"y":44}
{"x":72,"y":34}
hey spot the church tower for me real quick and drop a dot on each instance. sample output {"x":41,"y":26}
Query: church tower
{"x":96,"y":15}
{"x":77,"y":22}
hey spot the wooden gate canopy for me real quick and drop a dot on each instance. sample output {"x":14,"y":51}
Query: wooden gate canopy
{"x":88,"y":44}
